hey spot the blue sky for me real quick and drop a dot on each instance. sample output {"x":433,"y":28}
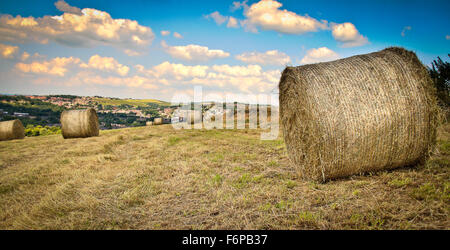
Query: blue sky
{"x":224,"y":46}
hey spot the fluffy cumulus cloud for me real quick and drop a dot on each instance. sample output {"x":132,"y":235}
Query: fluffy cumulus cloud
{"x":8,"y":51}
{"x":65,"y":7}
{"x":89,"y":28}
{"x":238,"y":79}
{"x":70,"y":71}
{"x":271,"y":57}
{"x":165,"y":32}
{"x":193,"y":52}
{"x":177,"y":35}
{"x":238,"y":5}
{"x":348,"y":35}
{"x":131,"y":82}
{"x":107,"y":64}
{"x":322,"y":54}
{"x":220,"y":19}
{"x":232,"y":23}
{"x":267,"y":15}
{"x":57,"y":66}
{"x":217,"y":17}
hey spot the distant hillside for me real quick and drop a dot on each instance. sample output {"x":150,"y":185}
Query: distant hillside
{"x":132,"y":102}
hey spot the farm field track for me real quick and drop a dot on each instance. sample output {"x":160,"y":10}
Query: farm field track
{"x":160,"y":178}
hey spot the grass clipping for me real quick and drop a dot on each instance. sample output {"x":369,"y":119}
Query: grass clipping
{"x":79,"y":123}
{"x":11,"y":130}
{"x":359,"y":114}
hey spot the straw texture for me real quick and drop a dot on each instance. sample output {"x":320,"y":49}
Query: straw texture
{"x":359,"y":114}
{"x":79,"y":123}
{"x":157,"y":121}
{"x":11,"y":130}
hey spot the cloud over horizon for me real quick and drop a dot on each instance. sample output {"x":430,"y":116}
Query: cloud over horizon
{"x":322,"y":54}
{"x":271,"y":57}
{"x":193,"y":52}
{"x":90,"y":28}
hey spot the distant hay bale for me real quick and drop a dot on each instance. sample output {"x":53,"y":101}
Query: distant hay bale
{"x":79,"y":123}
{"x":11,"y":130}
{"x":149,"y":123}
{"x":157,"y":121}
{"x":359,"y":114}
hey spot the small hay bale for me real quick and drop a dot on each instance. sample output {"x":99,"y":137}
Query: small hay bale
{"x":359,"y":114}
{"x":157,"y":121}
{"x":11,"y":130}
{"x":79,"y":123}
{"x":148,"y":123}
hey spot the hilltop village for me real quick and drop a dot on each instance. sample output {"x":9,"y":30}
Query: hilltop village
{"x":113,"y":112}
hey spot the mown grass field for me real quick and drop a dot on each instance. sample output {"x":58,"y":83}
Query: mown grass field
{"x":161,"y":178}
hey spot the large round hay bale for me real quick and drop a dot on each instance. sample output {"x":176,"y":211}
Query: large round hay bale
{"x":157,"y":121}
{"x":11,"y":130}
{"x":79,"y":123}
{"x":359,"y":114}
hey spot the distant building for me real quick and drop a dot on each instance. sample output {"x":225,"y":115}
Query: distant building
{"x":168,"y":111}
{"x":17,"y":114}
{"x":176,"y":119}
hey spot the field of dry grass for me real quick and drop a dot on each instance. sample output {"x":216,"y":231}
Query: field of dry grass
{"x":160,"y":178}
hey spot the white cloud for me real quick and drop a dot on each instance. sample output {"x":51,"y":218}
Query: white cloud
{"x":107,"y":64}
{"x":90,"y":28}
{"x":177,"y":35}
{"x":217,"y":17}
{"x":250,"y":70}
{"x":447,"y":37}
{"x":177,"y":71}
{"x":194,"y":52}
{"x":24,"y":56}
{"x":132,"y":82}
{"x":232,"y":23}
{"x":247,"y":79}
{"x":271,"y":57}
{"x":248,"y":26}
{"x":348,"y":35}
{"x":322,"y":54}
{"x":65,"y":7}
{"x":8,"y":51}
{"x":267,"y":15}
{"x":404,"y":30}
{"x":238,"y":5}
{"x":57,"y":66}
{"x":165,"y":32}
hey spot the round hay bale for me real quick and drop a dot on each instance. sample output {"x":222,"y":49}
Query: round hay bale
{"x":359,"y":114}
{"x":157,"y":121}
{"x":149,"y":123}
{"x":11,"y":130}
{"x":79,"y":123}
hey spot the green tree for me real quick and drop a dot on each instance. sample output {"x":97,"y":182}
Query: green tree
{"x":440,"y":73}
